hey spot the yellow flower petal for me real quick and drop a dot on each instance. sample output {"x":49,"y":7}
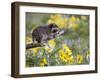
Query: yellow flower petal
{"x":79,"y":59}
{"x":48,"y":49}
{"x":72,"y":19}
{"x":65,"y":57}
{"x":43,"y":62}
{"x":52,"y":43}
{"x":28,"y":40}
{"x":59,"y":20}
{"x":50,"y":21}
{"x":66,"y":49}
{"x":35,"y":50}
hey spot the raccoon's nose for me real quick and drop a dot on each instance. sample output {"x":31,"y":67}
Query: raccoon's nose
{"x":61,"y":32}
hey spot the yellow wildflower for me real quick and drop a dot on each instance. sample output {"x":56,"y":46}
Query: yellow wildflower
{"x":72,"y":19}
{"x":57,"y":16}
{"x":66,"y":49}
{"x":73,"y":23}
{"x":48,"y":49}
{"x":65,"y":54}
{"x":58,"y":20}
{"x":52,"y":43}
{"x":87,"y":55}
{"x":28,"y":40}
{"x":50,"y":21}
{"x":79,"y":58}
{"x":75,"y":27}
{"x":61,"y":51}
{"x":43,"y":62}
{"x":35,"y":50}
{"x":70,"y":60}
{"x":65,"y":57}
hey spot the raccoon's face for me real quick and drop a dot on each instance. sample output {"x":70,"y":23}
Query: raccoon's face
{"x":54,"y":28}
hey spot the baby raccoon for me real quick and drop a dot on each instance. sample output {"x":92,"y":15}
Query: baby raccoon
{"x":44,"y":33}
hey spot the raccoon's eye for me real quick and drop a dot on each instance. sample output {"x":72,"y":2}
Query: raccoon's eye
{"x":54,"y":31}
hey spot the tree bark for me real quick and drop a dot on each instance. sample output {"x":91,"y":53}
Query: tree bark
{"x":31,"y":45}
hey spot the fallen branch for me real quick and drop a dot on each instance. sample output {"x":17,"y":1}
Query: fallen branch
{"x":31,"y":45}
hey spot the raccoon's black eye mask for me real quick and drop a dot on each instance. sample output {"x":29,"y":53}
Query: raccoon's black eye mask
{"x":54,"y":31}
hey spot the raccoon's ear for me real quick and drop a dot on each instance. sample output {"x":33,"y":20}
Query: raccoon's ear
{"x":51,"y":25}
